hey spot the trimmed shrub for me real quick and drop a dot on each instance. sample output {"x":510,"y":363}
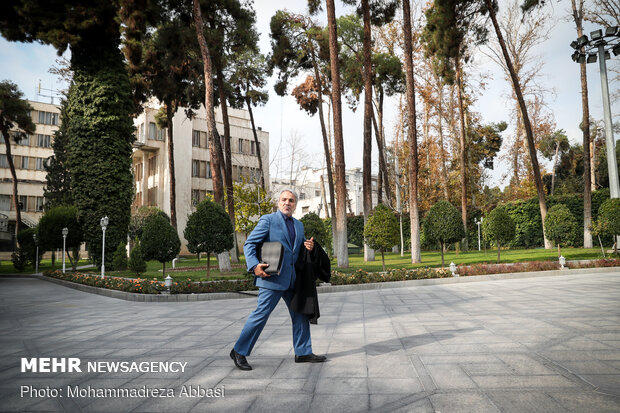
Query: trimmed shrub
{"x":443,"y":224}
{"x":136,"y":262}
{"x":381,"y":231}
{"x":560,"y":226}
{"x":499,"y":227}
{"x":315,"y":227}
{"x":119,"y":260}
{"x":160,"y":241}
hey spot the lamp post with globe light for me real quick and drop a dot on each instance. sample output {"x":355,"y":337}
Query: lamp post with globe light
{"x":104,"y":224}
{"x":65,"y":232}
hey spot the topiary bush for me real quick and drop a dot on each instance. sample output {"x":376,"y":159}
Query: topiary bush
{"x":119,"y":260}
{"x":209,"y":230}
{"x":136,"y":263}
{"x":443,"y":224}
{"x":314,"y":227}
{"x":499,"y":227}
{"x":609,"y":217}
{"x":160,"y":241}
{"x":560,"y":226}
{"x":381,"y":231}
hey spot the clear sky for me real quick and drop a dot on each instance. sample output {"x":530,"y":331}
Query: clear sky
{"x":26,"y":64}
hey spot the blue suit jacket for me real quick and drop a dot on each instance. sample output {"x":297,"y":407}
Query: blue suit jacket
{"x":272,"y":227}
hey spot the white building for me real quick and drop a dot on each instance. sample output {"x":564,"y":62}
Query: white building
{"x":313,"y":192}
{"x":191,"y":159}
{"x":29,"y":157}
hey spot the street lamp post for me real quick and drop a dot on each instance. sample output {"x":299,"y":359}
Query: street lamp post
{"x":104,"y":224}
{"x":36,"y":257}
{"x":478,"y":222}
{"x":65,"y":232}
{"x":599,"y":46}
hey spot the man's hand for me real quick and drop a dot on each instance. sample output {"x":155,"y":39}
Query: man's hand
{"x":259,"y":270}
{"x":309,"y":244}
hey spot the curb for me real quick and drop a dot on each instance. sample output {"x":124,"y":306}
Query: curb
{"x":322,"y":289}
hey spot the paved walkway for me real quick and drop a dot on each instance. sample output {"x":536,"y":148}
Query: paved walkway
{"x":548,"y":344}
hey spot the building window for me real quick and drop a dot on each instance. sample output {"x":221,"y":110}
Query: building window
{"x":240,"y":145}
{"x":4,"y":163}
{"x":252,"y":148}
{"x":196,"y":138}
{"x":317,"y":193}
{"x":137,"y":172}
{"x":141,"y":135}
{"x":5,"y":202}
{"x":302,"y":196}
{"x":304,"y":210}
{"x":209,"y":170}
{"x":40,"y":164}
{"x":40,"y":203}
{"x":153,"y":165}
{"x":24,"y":141}
{"x":152,"y":131}
{"x":48,"y":118}
{"x":24,"y":163}
{"x":195,"y":168}
{"x":44,"y":141}
{"x":23,"y":202}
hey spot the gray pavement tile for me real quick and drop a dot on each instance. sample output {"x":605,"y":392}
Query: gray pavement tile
{"x":229,"y":403}
{"x":450,"y":376}
{"x":344,"y":403}
{"x":525,"y":402}
{"x":342,"y":385}
{"x":521,"y":382}
{"x":399,"y":404}
{"x":397,"y":386}
{"x":462,"y":402}
{"x":291,"y":402}
{"x":586,"y":402}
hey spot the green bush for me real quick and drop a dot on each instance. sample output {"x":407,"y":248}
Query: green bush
{"x":560,"y":226}
{"x":381,"y":231}
{"x":609,"y":217}
{"x":24,"y":254}
{"x":209,"y":230}
{"x":498,"y":227}
{"x":19,"y":259}
{"x":160,"y":241}
{"x":141,"y":217}
{"x":136,"y":263}
{"x":315,"y":227}
{"x":355,"y":230}
{"x":119,"y":260}
{"x":443,"y":224}
{"x":50,"y":231}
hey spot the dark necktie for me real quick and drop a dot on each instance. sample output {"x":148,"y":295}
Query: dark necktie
{"x":291,"y":229}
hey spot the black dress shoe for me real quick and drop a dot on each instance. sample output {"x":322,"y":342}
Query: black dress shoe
{"x":310,"y":358}
{"x":240,"y":361}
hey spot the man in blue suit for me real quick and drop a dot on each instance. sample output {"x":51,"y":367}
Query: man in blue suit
{"x":279,"y":226}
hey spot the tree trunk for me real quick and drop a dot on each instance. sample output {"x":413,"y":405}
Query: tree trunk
{"x":260,"y":158}
{"x":444,"y":168}
{"x":369,"y":254}
{"x":442,"y":260}
{"x":555,"y":162}
{"x":498,"y":250}
{"x":526,"y":123}
{"x":215,"y":149}
{"x":208,"y":265}
{"x":383,"y":260}
{"x":585,"y":127}
{"x":559,"y":251}
{"x":462,"y":150}
{"x":214,"y":142}
{"x":326,"y":149}
{"x":230,"y":197}
{"x":173,"y":193}
{"x":378,"y":125}
{"x":341,"y":188}
{"x":413,"y":140}
{"x":9,"y":158}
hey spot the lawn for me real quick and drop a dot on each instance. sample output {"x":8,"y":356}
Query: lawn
{"x":190,"y":267}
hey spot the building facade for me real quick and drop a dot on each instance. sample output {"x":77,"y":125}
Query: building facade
{"x":29,"y":157}
{"x":312,"y":189}
{"x":191,"y":159}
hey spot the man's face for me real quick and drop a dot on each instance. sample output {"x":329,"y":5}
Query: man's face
{"x":287,"y":203}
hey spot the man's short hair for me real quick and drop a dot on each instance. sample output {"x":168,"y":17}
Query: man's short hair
{"x":288,"y":190}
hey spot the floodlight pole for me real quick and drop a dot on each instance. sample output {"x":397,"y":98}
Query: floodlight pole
{"x":614,"y":188}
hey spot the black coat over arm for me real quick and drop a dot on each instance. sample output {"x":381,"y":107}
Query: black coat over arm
{"x":310,"y":265}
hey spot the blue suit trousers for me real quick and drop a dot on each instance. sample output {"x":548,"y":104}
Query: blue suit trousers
{"x":267,"y":301}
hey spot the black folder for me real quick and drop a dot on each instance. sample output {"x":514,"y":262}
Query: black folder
{"x":271,"y":253}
